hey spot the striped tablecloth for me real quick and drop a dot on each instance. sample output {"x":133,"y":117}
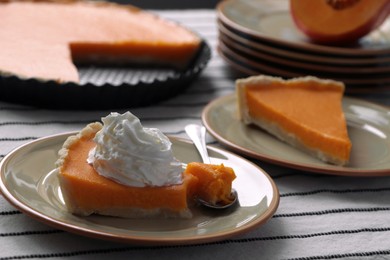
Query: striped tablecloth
{"x":319,"y":216}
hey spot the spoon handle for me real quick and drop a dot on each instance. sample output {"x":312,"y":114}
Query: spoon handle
{"x":197,"y":134}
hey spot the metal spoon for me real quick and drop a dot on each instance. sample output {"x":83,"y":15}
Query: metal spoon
{"x":197,"y":134}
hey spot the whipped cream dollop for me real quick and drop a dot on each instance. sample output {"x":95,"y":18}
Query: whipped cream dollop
{"x":132,"y":155}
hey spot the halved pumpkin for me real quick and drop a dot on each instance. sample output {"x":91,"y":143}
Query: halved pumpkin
{"x":338,"y":21}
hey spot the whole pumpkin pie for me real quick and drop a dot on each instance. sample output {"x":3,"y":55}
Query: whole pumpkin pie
{"x":305,"y":112}
{"x":144,"y":180}
{"x":44,"y":39}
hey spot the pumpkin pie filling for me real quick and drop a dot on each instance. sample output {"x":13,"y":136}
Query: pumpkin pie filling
{"x":214,"y":182}
{"x":87,"y":192}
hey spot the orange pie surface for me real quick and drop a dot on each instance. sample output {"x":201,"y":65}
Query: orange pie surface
{"x":86,"y":192}
{"x":43,"y":39}
{"x":305,"y":112}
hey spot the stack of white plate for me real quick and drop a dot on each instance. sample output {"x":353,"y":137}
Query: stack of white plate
{"x":260,"y":37}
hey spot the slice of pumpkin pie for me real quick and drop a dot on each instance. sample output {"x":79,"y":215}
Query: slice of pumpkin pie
{"x":304,"y":112}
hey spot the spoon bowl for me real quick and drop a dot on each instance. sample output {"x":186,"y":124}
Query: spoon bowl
{"x":220,"y":205}
{"x":197,"y":134}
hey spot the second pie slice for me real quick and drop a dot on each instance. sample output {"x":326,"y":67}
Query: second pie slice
{"x":304,"y":112}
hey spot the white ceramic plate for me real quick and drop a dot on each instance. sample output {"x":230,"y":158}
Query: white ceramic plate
{"x":368,"y":127}
{"x":270,"y":21}
{"x":28,"y":181}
